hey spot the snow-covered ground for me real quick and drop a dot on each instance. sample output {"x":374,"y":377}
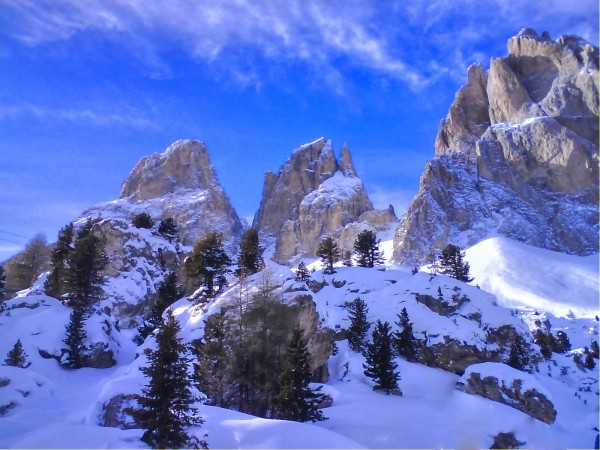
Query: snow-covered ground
{"x":57,"y":408}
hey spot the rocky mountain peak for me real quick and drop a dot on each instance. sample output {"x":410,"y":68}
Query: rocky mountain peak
{"x":517,"y":154}
{"x":185,"y":164}
{"x":346,"y":164}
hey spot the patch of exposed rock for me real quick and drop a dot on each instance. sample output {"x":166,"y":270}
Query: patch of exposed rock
{"x":506,"y":441}
{"x":179,"y":183}
{"x":517,"y":155}
{"x":312,"y":196}
{"x":503,"y":384}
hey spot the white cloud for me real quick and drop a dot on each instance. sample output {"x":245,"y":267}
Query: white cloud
{"x":399,"y":41}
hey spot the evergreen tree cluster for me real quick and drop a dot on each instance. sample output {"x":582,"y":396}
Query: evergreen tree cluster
{"x":549,"y":343}
{"x":366,"y":250}
{"x":452,"y":263}
{"x":519,"y":354}
{"x":209,"y":261}
{"x":142,"y":220}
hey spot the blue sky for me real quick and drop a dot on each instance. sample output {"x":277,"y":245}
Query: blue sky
{"x":87,"y":87}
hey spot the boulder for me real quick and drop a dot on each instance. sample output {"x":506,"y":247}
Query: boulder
{"x":503,"y":384}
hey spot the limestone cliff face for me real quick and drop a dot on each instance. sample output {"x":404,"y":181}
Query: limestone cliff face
{"x":517,"y":155}
{"x":180,"y":183}
{"x":311,"y":197}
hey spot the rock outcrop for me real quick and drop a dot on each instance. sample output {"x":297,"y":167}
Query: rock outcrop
{"x":179,"y":183}
{"x":509,"y":386}
{"x":517,"y":155}
{"x":311,"y":197}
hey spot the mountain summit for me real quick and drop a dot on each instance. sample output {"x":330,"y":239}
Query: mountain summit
{"x":517,"y":155}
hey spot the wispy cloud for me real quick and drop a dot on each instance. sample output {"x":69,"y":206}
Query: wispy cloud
{"x":415,"y":43}
{"x":83,"y":115}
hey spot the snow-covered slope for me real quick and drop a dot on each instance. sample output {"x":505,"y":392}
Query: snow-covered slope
{"x":524,"y":276}
{"x":54,"y":407}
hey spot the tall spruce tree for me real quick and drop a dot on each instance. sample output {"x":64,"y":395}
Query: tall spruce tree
{"x":329,"y":253}
{"x":168,"y":292}
{"x":55,"y":283}
{"x":519,"y":354}
{"x":380,"y":365}
{"x":404,"y":339}
{"x":17,"y":356}
{"x":366,"y":247}
{"x":296,"y":400}
{"x":167,"y":228}
{"x":166,"y":402}
{"x":84,"y":280}
{"x":453,"y":264}
{"x":250,"y":258}
{"x":359,"y":325}
{"x":208,"y":260}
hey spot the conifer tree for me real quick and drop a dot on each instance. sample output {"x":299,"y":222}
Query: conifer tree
{"x":167,"y":228}
{"x":404,"y":339}
{"x":208,"y":260}
{"x":329,"y":253}
{"x":296,"y":400}
{"x":166,"y":402}
{"x":168,"y":292}
{"x":366,"y":246}
{"x":54,"y":285}
{"x":518,"y":356}
{"x":302,"y":273}
{"x":453,"y":264}
{"x":250,"y":258}
{"x":359,"y":325}
{"x":545,"y":341}
{"x":214,"y":360}
{"x":594,"y":349}
{"x":142,"y":220}
{"x":2,"y":288}
{"x":380,"y":365}
{"x":589,"y":362}
{"x":17,"y":356}
{"x":561,"y":342}
{"x":75,"y":339}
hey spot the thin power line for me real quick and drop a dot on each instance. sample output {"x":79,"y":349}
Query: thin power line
{"x":12,"y":242}
{"x":14,"y":234}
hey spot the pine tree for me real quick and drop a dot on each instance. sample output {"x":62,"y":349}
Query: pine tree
{"x":594,"y":349}
{"x":168,"y":292}
{"x":329,"y":253}
{"x":295,"y":399}
{"x":359,"y":325}
{"x":75,"y":339}
{"x":2,"y":288}
{"x":380,"y":365}
{"x":518,"y":356}
{"x":404,"y":340}
{"x":142,"y":220}
{"x":17,"y":356}
{"x":54,"y":285}
{"x":561,"y":342}
{"x":214,"y":360}
{"x":167,"y":228}
{"x":589,"y":362}
{"x":453,"y":264}
{"x":166,"y":401}
{"x":545,"y":341}
{"x":366,"y":246}
{"x":250,"y":258}
{"x":302,"y":273}
{"x":208,"y":260}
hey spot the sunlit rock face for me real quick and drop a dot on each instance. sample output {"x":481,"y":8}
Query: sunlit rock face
{"x":517,"y":155}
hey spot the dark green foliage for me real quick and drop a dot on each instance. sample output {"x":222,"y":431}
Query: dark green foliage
{"x":594,"y":349}
{"x":168,"y":229}
{"x":166,"y":401}
{"x":142,"y":220}
{"x":452,"y":263}
{"x":589,"y":362}
{"x":83,"y":281}
{"x":76,"y":335}
{"x":366,"y":247}
{"x":302,"y":273}
{"x":214,"y":362}
{"x":329,"y":253}
{"x":561,"y":343}
{"x":209,"y":261}
{"x":545,"y":341}
{"x":2,"y":288}
{"x":359,"y":325}
{"x":250,"y":258}
{"x":54,"y":285}
{"x":168,"y":292}
{"x":404,"y":339}
{"x":380,"y":365}
{"x":17,"y":357}
{"x":295,"y":400}
{"x":518,"y":356}
{"x":578,"y":360}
